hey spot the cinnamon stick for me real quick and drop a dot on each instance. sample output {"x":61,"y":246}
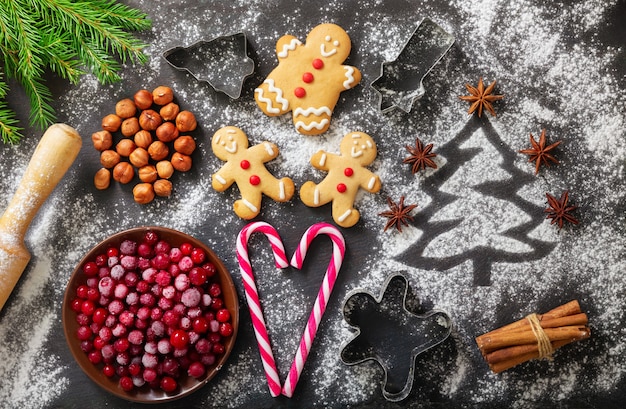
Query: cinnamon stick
{"x":521,"y":337}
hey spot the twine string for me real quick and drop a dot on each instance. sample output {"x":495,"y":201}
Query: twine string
{"x":543,"y":341}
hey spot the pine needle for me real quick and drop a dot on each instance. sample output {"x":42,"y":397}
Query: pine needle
{"x":67,"y":37}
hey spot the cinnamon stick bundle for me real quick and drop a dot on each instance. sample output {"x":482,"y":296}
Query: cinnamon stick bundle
{"x":536,"y":336}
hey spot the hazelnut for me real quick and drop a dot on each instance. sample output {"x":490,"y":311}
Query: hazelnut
{"x":169,"y":111}
{"x":143,"y":193}
{"x":162,"y":95}
{"x":164,"y":169}
{"x":185,"y":144}
{"x":102,"y":140}
{"x":111,"y":123}
{"x":125,"y":108}
{"x":143,"y":139}
{"x":158,"y":150}
{"x":186,"y":121}
{"x":181,"y":162}
{"x":109,"y":158}
{"x":102,"y":179}
{"x":143,"y":99}
{"x":167,"y":132}
{"x":147,"y":173}
{"x":163,"y":188}
{"x":139,"y":157}
{"x":130,"y":126}
{"x":125,"y":147}
{"x":150,"y":120}
{"x":123,"y":172}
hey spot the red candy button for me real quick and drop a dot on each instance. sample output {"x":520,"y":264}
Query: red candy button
{"x":299,"y":92}
{"x":318,"y":64}
{"x":348,"y":172}
{"x":341,"y":188}
{"x":244,"y":164}
{"x":307,"y":77}
{"x":255,"y":180}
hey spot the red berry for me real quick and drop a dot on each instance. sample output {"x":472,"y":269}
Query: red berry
{"x":108,"y":370}
{"x":217,"y":304}
{"x":200,"y":325}
{"x":179,"y":339}
{"x":81,"y":291}
{"x":196,"y":369}
{"x":90,"y":268}
{"x":197,"y":276}
{"x":210,"y":269}
{"x":87,"y":307}
{"x":101,"y":260}
{"x":95,"y":357}
{"x":76,"y":304}
{"x":168,"y":384}
{"x":113,"y":252}
{"x":223,"y":315}
{"x":186,"y":248}
{"x":121,"y":344}
{"x":84,"y":332}
{"x":126,"y":383}
{"x":226,"y":329}
{"x":198,"y":255}
{"x":134,"y":368}
{"x":99,"y":315}
{"x":218,"y":348}
{"x":215,"y":290}
{"x":151,"y":238}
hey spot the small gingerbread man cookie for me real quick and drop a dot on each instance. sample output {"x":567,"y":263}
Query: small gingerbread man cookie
{"x":346,"y":174}
{"x":309,"y":78}
{"x":245,"y":166}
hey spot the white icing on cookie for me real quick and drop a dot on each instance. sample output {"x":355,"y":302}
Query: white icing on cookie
{"x":355,"y":136}
{"x":316,"y":196}
{"x":327,"y":53}
{"x":220,"y":179}
{"x":268,"y":148}
{"x":355,"y":153}
{"x":371,"y":184}
{"x":314,"y":124}
{"x":279,"y":97}
{"x":289,"y":47}
{"x":312,"y":110}
{"x":345,"y":215}
{"x":250,"y":205}
{"x":323,"y":159}
{"x":281,"y":193}
{"x":232,"y":148}
{"x":349,"y":77}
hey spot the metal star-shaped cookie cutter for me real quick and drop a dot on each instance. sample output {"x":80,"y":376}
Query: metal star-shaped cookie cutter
{"x":390,"y":334}
{"x":222,"y":62}
{"x":400,"y":81}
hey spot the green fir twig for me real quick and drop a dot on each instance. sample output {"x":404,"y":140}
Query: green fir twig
{"x":67,"y":37}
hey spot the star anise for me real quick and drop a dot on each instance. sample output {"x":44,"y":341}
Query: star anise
{"x":398,"y":214}
{"x":539,"y":151}
{"x":559,"y":211}
{"x":481,"y":98}
{"x":420,"y":156}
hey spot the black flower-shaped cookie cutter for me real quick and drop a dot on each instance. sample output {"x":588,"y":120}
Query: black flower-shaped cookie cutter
{"x":390,"y":334}
{"x":222,"y":62}
{"x":400,"y":82}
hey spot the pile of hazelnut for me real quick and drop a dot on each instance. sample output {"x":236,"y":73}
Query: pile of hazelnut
{"x":153,"y":143}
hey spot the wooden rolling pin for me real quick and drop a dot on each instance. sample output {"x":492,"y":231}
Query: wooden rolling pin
{"x":53,"y":156}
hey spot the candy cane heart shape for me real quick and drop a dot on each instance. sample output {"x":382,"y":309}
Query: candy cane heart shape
{"x":339,"y":249}
{"x":252,"y":295}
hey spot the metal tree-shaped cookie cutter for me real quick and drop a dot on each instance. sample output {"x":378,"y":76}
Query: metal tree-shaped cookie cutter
{"x":222,"y":62}
{"x":388,"y":333}
{"x":400,"y":82}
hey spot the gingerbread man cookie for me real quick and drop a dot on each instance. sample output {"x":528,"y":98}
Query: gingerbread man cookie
{"x":346,"y":174}
{"x":309,"y":78}
{"x":245,"y":166}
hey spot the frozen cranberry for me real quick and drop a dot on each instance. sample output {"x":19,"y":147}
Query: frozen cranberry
{"x":186,"y":248}
{"x":185,"y":264}
{"x":163,"y":278}
{"x":90,"y":268}
{"x":126,"y":383}
{"x":223,"y":315}
{"x":147,"y":299}
{"x":174,"y":270}
{"x":112,"y":252}
{"x":191,"y":297}
{"x":218,"y":348}
{"x":101,"y":260}
{"x":105,"y":334}
{"x":87,"y":307}
{"x":210,"y":269}
{"x":128,"y":247}
{"x":165,"y":304}
{"x":113,"y":261}
{"x":98,"y":343}
{"x":135,"y":337}
{"x":164,"y":347}
{"x":226,"y":329}
{"x":200,"y":325}
{"x":170,"y":367}
{"x":208,"y":359}
{"x":144,"y":250}
{"x":171,"y":318}
{"x":197,"y":276}
{"x":119,"y":330}
{"x":132,"y":299}
{"x":203,"y":346}
{"x":93,"y":294}
{"x":99,"y":315}
{"x":149,"y":360}
{"x":217,"y":304}
{"x":179,"y":339}
{"x":161,"y":261}
{"x":175,"y":255}
{"x":121,"y":344}
{"x":151,"y":238}
{"x":143,"y":263}
{"x":117,"y":272}
{"x":128,"y":262}
{"x":162,"y":247}
{"x":108,"y":352}
{"x":168,"y":384}
{"x":143,"y":286}
{"x":149,"y":374}
{"x":197,"y":255}
{"x":131,"y":279}
{"x":86,"y":345}
{"x":108,"y":370}
{"x":116,"y":307}
{"x":196,"y":369}
{"x":104,"y":272}
{"x":215,"y":290}
{"x":84,"y":332}
{"x":134,"y":368}
{"x":158,"y":328}
{"x":120,"y":291}
{"x":181,"y":282}
{"x":75,"y":304}
{"x":105,"y":286}
{"x":149,"y":274}
{"x":127,"y":318}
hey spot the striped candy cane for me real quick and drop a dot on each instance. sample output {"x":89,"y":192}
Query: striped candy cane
{"x":252,"y":295}
{"x":339,"y":249}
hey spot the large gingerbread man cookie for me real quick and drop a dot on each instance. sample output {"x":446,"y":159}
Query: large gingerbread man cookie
{"x":347,"y":174}
{"x":245,"y":166}
{"x":309,"y":78}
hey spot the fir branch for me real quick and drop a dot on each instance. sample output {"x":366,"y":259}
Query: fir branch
{"x":68,"y":37}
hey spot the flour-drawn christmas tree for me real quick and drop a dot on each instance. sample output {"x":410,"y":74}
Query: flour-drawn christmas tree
{"x":476,"y":214}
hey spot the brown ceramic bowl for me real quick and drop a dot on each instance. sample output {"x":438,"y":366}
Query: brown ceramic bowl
{"x":146,"y":394}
